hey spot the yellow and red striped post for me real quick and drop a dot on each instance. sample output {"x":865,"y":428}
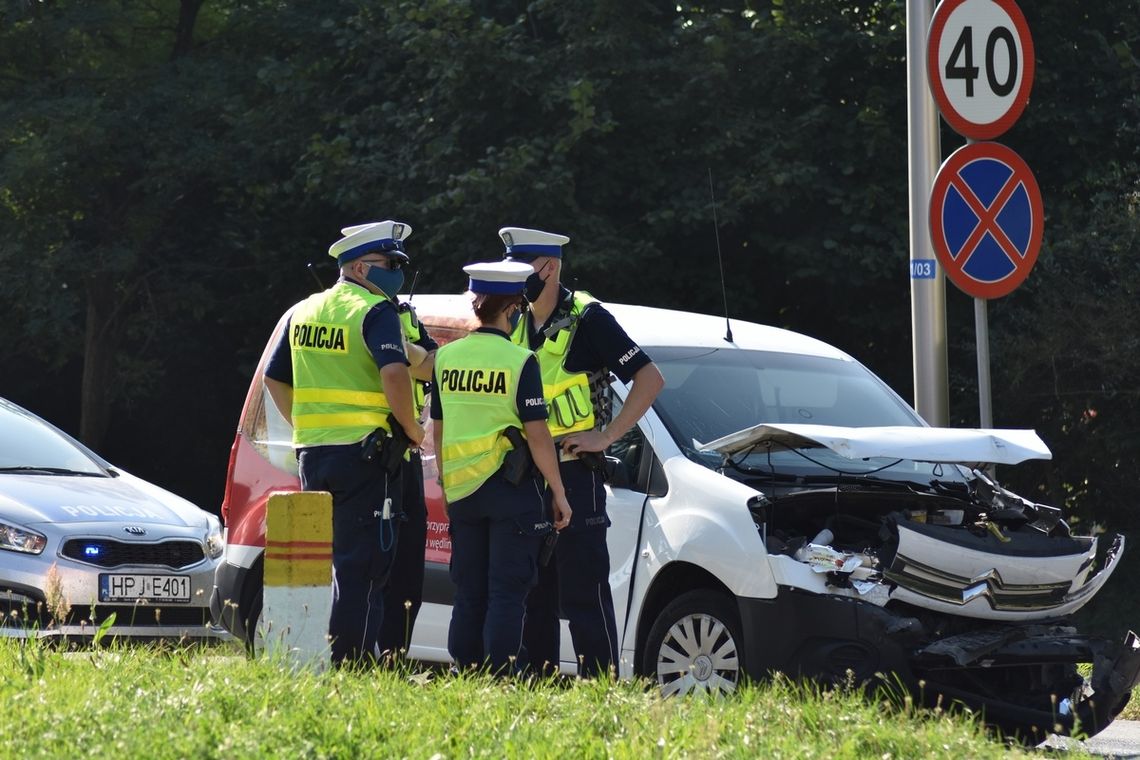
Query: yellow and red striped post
{"x":298,"y":576}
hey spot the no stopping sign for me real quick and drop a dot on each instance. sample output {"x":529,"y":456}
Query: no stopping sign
{"x":986,"y":219}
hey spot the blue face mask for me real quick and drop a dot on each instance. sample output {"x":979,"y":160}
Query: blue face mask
{"x":388,"y":280}
{"x":516,"y":315}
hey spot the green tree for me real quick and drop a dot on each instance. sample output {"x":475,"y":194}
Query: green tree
{"x":169,"y":169}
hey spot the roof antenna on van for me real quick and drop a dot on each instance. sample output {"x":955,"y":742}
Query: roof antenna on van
{"x":720,"y":262}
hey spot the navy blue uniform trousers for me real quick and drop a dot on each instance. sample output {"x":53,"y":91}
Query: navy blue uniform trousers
{"x":405,"y":592}
{"x":363,"y":544}
{"x":577,"y":580}
{"x":495,"y":537}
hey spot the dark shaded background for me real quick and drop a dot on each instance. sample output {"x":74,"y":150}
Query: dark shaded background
{"x":169,"y":168}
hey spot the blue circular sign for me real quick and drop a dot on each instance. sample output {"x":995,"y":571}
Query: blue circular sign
{"x":986,"y":219}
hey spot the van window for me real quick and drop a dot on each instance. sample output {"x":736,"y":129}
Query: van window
{"x":269,"y":432}
{"x":710,"y":393}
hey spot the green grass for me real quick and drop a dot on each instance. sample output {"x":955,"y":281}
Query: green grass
{"x":167,"y":703}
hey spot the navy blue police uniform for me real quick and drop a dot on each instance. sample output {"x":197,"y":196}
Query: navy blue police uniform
{"x":363,"y":542}
{"x":365,"y":496}
{"x":496,"y":533}
{"x":577,"y":579}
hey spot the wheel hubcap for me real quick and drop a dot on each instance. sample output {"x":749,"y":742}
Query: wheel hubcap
{"x":698,"y":654}
{"x":702,"y":668}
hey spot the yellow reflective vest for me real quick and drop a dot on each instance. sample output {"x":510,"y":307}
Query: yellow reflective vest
{"x":338,"y":396}
{"x":477,"y":380}
{"x":567,"y":393}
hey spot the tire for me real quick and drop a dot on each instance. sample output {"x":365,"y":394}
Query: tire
{"x":695,"y":645}
{"x":249,"y":606}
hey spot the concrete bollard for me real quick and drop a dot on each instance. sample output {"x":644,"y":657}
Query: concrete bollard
{"x":298,"y":577}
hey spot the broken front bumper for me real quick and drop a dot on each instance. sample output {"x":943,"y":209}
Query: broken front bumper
{"x":1023,"y":679}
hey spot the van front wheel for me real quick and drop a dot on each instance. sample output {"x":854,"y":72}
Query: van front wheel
{"x":695,"y":645}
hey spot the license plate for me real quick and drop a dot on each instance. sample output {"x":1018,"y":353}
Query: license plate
{"x":134,"y":587}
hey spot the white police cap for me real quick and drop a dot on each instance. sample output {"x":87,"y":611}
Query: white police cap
{"x":498,"y":277}
{"x":386,"y":237}
{"x":523,"y":243}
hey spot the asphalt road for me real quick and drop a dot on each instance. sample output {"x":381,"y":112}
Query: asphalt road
{"x":1121,"y":739}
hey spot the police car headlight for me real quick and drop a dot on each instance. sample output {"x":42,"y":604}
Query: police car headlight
{"x":215,"y":542}
{"x":23,"y":540}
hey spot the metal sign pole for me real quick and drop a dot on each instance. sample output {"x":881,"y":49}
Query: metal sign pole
{"x":985,"y":401}
{"x":982,"y":337}
{"x":927,"y":291}
{"x":982,"y":329}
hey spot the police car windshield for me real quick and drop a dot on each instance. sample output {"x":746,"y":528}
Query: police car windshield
{"x":710,"y":393}
{"x":30,"y":446}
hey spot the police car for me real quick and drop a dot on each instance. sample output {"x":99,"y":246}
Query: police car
{"x":781,"y":509}
{"x":82,"y":540}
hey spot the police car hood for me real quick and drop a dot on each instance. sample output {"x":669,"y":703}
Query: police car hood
{"x":28,"y":499}
{"x":921,"y":444}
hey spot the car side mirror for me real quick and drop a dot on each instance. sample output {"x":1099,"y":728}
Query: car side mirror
{"x":617,"y":474}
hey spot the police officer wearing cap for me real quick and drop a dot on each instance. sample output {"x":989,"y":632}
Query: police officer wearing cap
{"x":578,"y":344}
{"x":488,"y":391}
{"x":404,"y":593}
{"x":339,"y":373}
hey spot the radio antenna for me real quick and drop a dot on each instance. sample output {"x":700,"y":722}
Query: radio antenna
{"x":720,"y":261}
{"x":313,"y":272}
{"x":412,"y":287}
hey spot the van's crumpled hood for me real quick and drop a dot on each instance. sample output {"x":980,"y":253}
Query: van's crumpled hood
{"x":921,"y":444}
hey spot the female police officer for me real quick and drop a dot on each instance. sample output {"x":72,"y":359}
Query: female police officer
{"x":486,"y":390}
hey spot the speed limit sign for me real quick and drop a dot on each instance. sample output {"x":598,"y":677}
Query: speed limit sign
{"x":979,"y":58}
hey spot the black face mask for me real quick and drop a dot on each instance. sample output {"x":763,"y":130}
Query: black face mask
{"x":534,"y":287}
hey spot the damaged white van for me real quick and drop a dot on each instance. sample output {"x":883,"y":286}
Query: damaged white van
{"x":781,"y":509}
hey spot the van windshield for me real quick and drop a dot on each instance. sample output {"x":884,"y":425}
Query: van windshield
{"x":710,"y":393}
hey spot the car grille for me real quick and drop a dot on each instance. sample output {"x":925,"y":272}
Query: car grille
{"x":938,"y":584}
{"x":110,"y":553}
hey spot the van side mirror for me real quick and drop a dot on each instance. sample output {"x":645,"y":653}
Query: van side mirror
{"x":616,"y":472}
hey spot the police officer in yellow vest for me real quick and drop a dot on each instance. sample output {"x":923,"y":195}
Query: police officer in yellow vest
{"x":487,"y":391}
{"x":404,"y":593}
{"x":340,"y":373}
{"x":578,"y":344}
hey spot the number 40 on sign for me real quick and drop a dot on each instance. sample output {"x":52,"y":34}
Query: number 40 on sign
{"x":980,"y":64}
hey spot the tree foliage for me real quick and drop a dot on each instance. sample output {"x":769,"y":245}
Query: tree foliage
{"x":170,"y":168}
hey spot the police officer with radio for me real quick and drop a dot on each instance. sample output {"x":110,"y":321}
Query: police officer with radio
{"x":490,"y":435}
{"x":403,"y":596}
{"x":340,"y":374}
{"x":578,"y":344}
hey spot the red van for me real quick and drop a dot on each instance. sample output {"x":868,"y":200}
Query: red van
{"x":262,"y":461}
